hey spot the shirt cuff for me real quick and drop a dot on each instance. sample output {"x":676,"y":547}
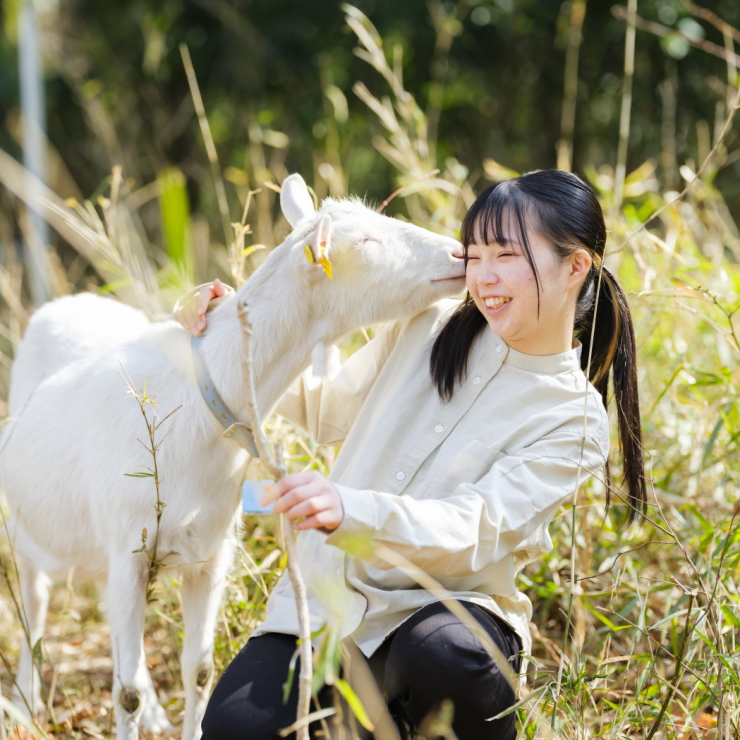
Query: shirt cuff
{"x":359,"y":521}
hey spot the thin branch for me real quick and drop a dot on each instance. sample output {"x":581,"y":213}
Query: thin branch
{"x":678,"y":672}
{"x":658,"y":29}
{"x":720,"y":139}
{"x":713,"y":18}
{"x":619,"y":555}
{"x":383,"y":205}
{"x":275,"y":466}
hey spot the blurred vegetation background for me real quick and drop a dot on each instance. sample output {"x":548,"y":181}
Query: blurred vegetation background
{"x":164,"y":120}
{"x":277,"y":84}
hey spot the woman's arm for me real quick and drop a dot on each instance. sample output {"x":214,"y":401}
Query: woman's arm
{"x":477,"y":525}
{"x":327,"y":407}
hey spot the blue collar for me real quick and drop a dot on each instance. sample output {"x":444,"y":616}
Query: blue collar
{"x":217,"y":407}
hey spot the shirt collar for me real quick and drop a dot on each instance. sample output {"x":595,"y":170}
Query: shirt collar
{"x":546,"y":364}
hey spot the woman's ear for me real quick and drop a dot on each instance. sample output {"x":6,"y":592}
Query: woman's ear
{"x":580,"y":264}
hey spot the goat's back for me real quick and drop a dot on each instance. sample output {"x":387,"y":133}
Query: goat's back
{"x":64,"y":331}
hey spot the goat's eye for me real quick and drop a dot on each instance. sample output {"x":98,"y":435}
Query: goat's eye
{"x":366,"y":240}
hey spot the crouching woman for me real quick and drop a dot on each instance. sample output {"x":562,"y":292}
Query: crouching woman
{"x":463,"y":431}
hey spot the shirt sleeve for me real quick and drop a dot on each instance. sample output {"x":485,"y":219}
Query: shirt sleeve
{"x":327,"y":408}
{"x":478,"y":524}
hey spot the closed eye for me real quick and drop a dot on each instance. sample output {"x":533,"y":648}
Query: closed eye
{"x":365,"y":241}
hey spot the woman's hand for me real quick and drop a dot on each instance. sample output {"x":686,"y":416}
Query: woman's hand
{"x":192,"y":313}
{"x":309,"y":495}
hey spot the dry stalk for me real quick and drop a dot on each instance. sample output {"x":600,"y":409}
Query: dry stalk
{"x":3,"y":732}
{"x":154,"y":562}
{"x":626,"y":108}
{"x":275,"y":466}
{"x":205,"y":129}
{"x":570,"y":90}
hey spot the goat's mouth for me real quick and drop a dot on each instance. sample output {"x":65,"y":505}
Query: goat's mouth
{"x":451,"y":279}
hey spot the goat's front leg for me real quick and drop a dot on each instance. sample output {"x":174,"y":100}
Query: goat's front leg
{"x":127,"y":581}
{"x":35,"y":600}
{"x":201,"y":597}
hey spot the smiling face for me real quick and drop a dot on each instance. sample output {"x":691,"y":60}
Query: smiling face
{"x":504,"y":288}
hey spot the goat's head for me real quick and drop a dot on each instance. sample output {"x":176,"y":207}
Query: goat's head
{"x":360,"y":267}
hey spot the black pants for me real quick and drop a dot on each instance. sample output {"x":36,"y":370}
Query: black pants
{"x":431,"y":657}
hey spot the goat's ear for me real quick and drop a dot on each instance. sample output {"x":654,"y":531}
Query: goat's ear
{"x":318,"y":244}
{"x":295,"y":200}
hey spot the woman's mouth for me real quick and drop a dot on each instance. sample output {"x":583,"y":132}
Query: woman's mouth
{"x":496,"y":304}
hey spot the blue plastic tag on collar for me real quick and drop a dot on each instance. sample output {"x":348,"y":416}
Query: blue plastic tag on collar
{"x":252,"y":493}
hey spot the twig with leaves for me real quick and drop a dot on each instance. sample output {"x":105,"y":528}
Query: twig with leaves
{"x":275,"y":466}
{"x":154,"y":562}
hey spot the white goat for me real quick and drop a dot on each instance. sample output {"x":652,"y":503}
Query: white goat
{"x":63,"y":462}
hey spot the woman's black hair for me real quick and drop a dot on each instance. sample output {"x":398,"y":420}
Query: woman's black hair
{"x":562,"y":209}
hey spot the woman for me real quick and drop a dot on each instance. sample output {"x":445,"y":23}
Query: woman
{"x":464,"y":429}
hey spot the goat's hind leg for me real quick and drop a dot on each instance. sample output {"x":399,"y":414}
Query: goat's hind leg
{"x":201,"y":598}
{"x":132,"y":687}
{"x":34,"y":605}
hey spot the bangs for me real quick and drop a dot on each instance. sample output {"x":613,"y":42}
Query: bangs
{"x":495,"y":209}
{"x":498,"y":214}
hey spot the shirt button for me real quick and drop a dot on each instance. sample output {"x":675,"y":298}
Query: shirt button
{"x":400,"y":475}
{"x":499,"y":348}
{"x":439,"y":429}
{"x":476,"y":380}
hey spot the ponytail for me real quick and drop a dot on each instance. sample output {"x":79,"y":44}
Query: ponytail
{"x":603,"y":324}
{"x":448,"y":362}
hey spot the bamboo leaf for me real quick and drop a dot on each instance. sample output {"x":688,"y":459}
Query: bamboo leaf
{"x":354,"y":704}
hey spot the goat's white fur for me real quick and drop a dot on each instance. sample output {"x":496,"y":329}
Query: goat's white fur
{"x":63,"y":461}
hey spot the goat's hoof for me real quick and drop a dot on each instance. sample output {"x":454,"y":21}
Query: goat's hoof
{"x":154,"y":719}
{"x":130,"y":700}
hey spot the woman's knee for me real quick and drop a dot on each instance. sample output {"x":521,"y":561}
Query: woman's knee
{"x":248,"y":698}
{"x":434,"y":657}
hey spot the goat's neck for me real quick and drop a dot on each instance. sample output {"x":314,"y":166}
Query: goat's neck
{"x":282,"y":340}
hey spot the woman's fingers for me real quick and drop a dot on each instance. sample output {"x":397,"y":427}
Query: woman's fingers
{"x":308,"y":505}
{"x":208,"y":292}
{"x":308,"y":496}
{"x":327,"y":519}
{"x":205,"y":295}
{"x":296,"y":496}
{"x":221,"y":289}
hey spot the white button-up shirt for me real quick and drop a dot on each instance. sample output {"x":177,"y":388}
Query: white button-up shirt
{"x":463,"y":489}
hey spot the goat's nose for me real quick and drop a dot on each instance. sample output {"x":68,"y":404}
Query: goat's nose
{"x":458,"y":254}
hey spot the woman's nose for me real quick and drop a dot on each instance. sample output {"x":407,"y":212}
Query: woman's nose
{"x":487,"y":275}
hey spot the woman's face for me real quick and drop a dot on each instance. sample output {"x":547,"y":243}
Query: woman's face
{"x":503,"y":287}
